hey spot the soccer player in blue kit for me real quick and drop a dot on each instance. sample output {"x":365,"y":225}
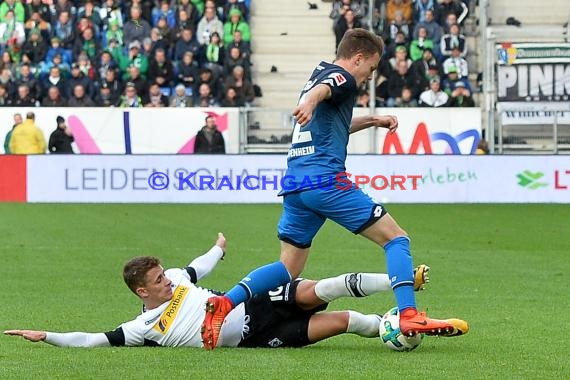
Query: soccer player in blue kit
{"x":318,"y":154}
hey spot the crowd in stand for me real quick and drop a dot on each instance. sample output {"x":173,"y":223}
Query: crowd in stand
{"x":424,"y":61}
{"x":140,"y":53}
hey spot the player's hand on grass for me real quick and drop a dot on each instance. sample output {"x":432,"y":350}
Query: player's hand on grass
{"x":31,"y":335}
{"x":221,"y":242}
{"x":389,"y":122}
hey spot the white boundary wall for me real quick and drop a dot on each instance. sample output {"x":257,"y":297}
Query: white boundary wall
{"x":443,"y":179}
{"x":172,"y":130}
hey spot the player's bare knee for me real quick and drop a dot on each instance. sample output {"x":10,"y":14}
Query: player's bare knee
{"x":398,"y":232}
{"x":306,"y":296}
{"x":389,"y":229}
{"x":384,"y":230}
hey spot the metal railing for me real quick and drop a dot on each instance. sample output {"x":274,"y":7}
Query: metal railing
{"x":533,"y":128}
{"x":265,"y":130}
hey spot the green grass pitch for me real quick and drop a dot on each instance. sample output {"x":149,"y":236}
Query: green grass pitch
{"x":504,"y":268}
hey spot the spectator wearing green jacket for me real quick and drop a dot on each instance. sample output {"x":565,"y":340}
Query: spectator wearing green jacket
{"x":236,"y":22}
{"x":134,"y":58}
{"x":17,"y":121}
{"x":419,"y":44}
{"x":14,"y":5}
{"x":199,"y":4}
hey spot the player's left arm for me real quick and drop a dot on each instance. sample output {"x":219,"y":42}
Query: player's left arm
{"x":201,"y":266}
{"x":71,"y":339}
{"x":389,"y":122}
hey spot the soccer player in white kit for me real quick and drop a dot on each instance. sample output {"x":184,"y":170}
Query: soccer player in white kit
{"x":174,"y":308}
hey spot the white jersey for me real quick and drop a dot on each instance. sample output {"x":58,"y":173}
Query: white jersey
{"x":177,"y":323}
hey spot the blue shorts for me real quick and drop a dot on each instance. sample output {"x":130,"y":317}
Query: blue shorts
{"x":305,"y":212}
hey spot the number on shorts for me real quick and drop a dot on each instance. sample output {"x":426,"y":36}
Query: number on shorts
{"x":276,"y":294}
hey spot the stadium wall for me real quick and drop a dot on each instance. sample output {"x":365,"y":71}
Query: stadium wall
{"x":394,"y":178}
{"x":133,"y":130}
{"x":172,"y":130}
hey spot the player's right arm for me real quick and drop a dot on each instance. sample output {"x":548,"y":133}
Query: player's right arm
{"x":71,"y":339}
{"x":304,"y":111}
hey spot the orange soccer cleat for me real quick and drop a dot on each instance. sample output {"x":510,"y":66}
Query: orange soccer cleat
{"x":412,"y":323}
{"x":217,"y":308}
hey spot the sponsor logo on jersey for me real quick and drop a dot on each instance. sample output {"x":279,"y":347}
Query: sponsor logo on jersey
{"x":339,"y":78}
{"x":378,"y":211}
{"x":169,"y":314}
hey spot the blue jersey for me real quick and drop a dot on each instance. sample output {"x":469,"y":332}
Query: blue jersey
{"x":318,"y":151}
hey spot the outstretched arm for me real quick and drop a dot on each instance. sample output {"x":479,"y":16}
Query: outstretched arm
{"x":307,"y":104}
{"x":201,"y":266}
{"x":72,"y":339}
{"x":362,"y":122}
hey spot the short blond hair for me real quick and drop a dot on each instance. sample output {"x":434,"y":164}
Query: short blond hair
{"x":361,"y":41}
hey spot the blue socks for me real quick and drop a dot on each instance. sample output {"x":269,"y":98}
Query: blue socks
{"x":261,"y":280}
{"x":400,"y":271}
{"x":398,"y":261}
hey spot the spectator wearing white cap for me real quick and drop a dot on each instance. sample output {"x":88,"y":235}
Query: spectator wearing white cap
{"x":434,"y":97}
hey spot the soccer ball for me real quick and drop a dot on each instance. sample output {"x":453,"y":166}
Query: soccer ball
{"x":391,"y":335}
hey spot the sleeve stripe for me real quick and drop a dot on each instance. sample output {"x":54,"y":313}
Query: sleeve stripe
{"x":116,"y":338}
{"x":192,"y":273}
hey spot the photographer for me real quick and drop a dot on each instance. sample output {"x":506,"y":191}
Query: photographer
{"x":60,"y":140}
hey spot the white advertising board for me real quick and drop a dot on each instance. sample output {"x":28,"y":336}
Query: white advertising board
{"x":258,"y":178}
{"x":519,"y":113}
{"x":428,"y":130}
{"x":172,"y":130}
{"x":132,"y":130}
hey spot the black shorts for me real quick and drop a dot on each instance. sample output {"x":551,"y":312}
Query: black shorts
{"x":274,"y":319}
